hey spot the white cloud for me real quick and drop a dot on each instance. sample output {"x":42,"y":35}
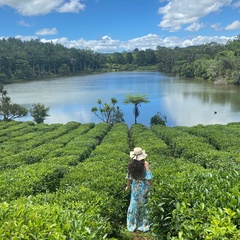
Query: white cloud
{"x":25,"y":38}
{"x":151,"y":41}
{"x":108,"y":45}
{"x":216,"y":26}
{"x":73,"y":6}
{"x":104,"y":44}
{"x":42,"y":7}
{"x":47,"y":31}
{"x":33,"y":7}
{"x":23,"y":23}
{"x":204,"y":39}
{"x":237,"y":4}
{"x":233,"y":26}
{"x":194,"y":27}
{"x":181,"y":12}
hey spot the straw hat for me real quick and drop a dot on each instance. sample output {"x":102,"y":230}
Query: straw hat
{"x":138,"y":154}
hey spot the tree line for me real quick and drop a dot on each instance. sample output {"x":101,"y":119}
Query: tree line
{"x":31,"y":60}
{"x":213,"y":61}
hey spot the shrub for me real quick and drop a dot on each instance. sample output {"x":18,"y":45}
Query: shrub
{"x":158,"y":119}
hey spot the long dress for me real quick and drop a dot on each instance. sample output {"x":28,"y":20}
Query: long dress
{"x":137,"y":214}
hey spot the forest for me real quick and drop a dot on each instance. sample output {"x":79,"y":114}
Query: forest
{"x":32,"y":60}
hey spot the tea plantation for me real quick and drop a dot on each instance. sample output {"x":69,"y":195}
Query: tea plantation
{"x":67,"y":181}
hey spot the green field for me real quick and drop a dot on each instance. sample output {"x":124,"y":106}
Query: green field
{"x":67,"y":181}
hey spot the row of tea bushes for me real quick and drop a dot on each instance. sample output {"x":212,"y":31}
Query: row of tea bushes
{"x":49,"y":147}
{"x":79,"y":148}
{"x":181,"y":143}
{"x":4,"y":124}
{"x":14,"y":128}
{"x":30,"y":179}
{"x":26,"y":131}
{"x":8,"y":134}
{"x":46,"y":175}
{"x":223,"y":138}
{"x":140,"y":136}
{"x":104,"y":173}
{"x":71,"y":135}
{"x":195,"y":149}
{"x":20,"y":141}
{"x":58,"y":147}
{"x":31,"y":151}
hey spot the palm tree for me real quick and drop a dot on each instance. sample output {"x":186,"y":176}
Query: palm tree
{"x":136,"y":100}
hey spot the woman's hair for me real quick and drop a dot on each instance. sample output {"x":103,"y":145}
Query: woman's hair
{"x":136,"y":169}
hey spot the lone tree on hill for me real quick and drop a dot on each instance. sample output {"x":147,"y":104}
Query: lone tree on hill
{"x":108,"y":112}
{"x":39,"y":112}
{"x":136,"y":100}
{"x":8,"y":110}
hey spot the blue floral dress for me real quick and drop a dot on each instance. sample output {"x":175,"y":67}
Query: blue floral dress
{"x":136,"y":214}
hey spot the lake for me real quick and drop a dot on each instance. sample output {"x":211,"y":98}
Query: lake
{"x":184,"y":102}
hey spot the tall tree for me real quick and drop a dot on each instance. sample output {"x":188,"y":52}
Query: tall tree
{"x":129,"y":58}
{"x":165,"y":58}
{"x":108,"y":112}
{"x":141,"y":58}
{"x":64,"y":69}
{"x":8,"y":110}
{"x":118,"y":58}
{"x":136,"y":100}
{"x":39,"y":112}
{"x":150,"y":57}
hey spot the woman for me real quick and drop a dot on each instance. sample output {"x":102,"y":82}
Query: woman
{"x":139,"y":178}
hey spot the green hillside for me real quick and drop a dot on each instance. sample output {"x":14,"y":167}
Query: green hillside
{"x":67,"y":181}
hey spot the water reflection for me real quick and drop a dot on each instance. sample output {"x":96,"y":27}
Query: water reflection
{"x":218,"y":97}
{"x":184,"y":102}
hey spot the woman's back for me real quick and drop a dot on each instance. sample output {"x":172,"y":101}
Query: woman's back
{"x":140,"y":178}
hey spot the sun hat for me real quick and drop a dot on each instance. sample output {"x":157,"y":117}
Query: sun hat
{"x":138,"y":154}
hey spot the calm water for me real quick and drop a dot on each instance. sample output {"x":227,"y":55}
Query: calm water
{"x":184,"y":102}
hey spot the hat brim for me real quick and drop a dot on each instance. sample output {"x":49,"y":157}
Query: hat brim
{"x":140,"y":157}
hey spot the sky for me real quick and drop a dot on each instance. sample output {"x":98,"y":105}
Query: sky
{"x":108,"y":26}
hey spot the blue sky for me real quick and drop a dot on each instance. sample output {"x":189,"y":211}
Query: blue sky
{"x":121,"y":25}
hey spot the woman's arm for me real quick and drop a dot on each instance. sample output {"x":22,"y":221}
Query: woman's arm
{"x":146,"y":164}
{"x":129,"y":181}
